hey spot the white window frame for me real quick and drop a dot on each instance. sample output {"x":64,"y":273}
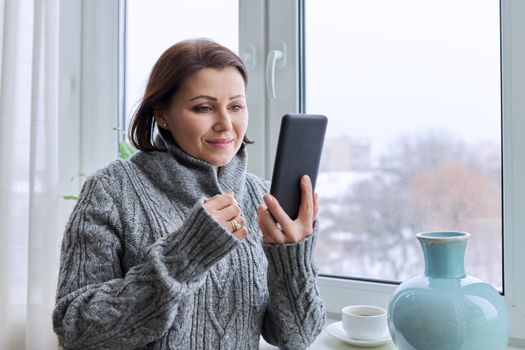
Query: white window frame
{"x":252,"y":48}
{"x":89,"y":98}
{"x":88,"y":83}
{"x":283,"y":19}
{"x":88,"y":92}
{"x":513,"y":110}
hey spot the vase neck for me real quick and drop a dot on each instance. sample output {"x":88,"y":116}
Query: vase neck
{"x":444,"y":253}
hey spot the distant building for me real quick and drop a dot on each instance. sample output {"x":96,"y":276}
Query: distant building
{"x":346,"y":153}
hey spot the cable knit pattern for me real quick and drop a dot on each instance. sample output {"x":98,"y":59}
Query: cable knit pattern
{"x":145,"y":266}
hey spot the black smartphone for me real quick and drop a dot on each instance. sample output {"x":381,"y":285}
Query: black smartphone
{"x":298,"y":153}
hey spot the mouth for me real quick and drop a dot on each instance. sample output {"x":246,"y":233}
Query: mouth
{"x":220,"y":143}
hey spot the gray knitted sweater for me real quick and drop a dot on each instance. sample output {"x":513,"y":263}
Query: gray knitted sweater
{"x":144,"y":265}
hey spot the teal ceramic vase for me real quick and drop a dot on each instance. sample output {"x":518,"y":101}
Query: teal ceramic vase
{"x":444,"y":309}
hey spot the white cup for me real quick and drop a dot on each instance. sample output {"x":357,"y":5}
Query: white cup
{"x":364,"y":322}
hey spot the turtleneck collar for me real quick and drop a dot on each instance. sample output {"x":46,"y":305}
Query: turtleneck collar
{"x":185,"y":178}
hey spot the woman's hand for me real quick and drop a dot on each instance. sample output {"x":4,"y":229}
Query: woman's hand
{"x":225,"y":209}
{"x":286,"y":230}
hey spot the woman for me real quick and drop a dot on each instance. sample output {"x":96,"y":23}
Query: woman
{"x":176,"y":248}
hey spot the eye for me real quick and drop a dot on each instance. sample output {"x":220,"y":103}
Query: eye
{"x":236,"y":107}
{"x":201,"y":108}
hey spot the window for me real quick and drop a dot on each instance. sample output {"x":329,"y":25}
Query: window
{"x":168,"y":22}
{"x":290,"y":21}
{"x":414,"y":134}
{"x":153,"y":26}
{"x":270,"y":24}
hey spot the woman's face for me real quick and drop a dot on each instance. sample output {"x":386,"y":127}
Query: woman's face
{"x":208,"y":116}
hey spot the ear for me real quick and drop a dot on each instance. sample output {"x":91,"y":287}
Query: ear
{"x":161,"y":120}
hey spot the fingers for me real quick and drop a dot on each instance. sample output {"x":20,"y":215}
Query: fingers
{"x":269,"y":229}
{"x":241,"y":231}
{"x":226,"y":211}
{"x":291,"y":231}
{"x":235,"y":226}
{"x":241,"y":234}
{"x":262,"y":226}
{"x":223,"y":207}
{"x":220,"y":201}
{"x":306,"y":210}
{"x":277,"y":212}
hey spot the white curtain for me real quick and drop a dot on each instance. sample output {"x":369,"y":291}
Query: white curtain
{"x":29,"y":238}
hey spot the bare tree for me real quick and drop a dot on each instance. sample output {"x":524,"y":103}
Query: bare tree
{"x":429,"y":181}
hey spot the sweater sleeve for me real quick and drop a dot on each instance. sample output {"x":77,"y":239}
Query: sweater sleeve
{"x":100,"y":307}
{"x":295,"y":314}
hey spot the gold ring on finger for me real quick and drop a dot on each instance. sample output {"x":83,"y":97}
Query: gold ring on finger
{"x":235,"y":225}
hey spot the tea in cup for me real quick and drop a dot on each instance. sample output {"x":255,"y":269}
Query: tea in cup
{"x":364,"y":322}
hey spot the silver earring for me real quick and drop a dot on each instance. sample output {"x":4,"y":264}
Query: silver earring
{"x":165,"y":125}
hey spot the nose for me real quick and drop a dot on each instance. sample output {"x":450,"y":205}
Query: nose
{"x":223,"y":122}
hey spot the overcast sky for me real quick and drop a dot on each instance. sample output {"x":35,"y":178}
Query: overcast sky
{"x":387,"y":68}
{"x":377,"y":68}
{"x":172,"y":21}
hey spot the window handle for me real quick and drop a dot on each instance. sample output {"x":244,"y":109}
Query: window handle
{"x":276,"y":59}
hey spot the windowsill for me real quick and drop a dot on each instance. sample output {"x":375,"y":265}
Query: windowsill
{"x":326,"y":342}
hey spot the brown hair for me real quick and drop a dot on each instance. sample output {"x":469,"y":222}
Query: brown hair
{"x":172,"y":68}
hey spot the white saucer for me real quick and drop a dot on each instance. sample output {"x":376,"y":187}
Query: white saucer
{"x":336,"y":330}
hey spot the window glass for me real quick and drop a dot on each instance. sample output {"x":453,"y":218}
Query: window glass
{"x":412,"y":93}
{"x":154,"y":25}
